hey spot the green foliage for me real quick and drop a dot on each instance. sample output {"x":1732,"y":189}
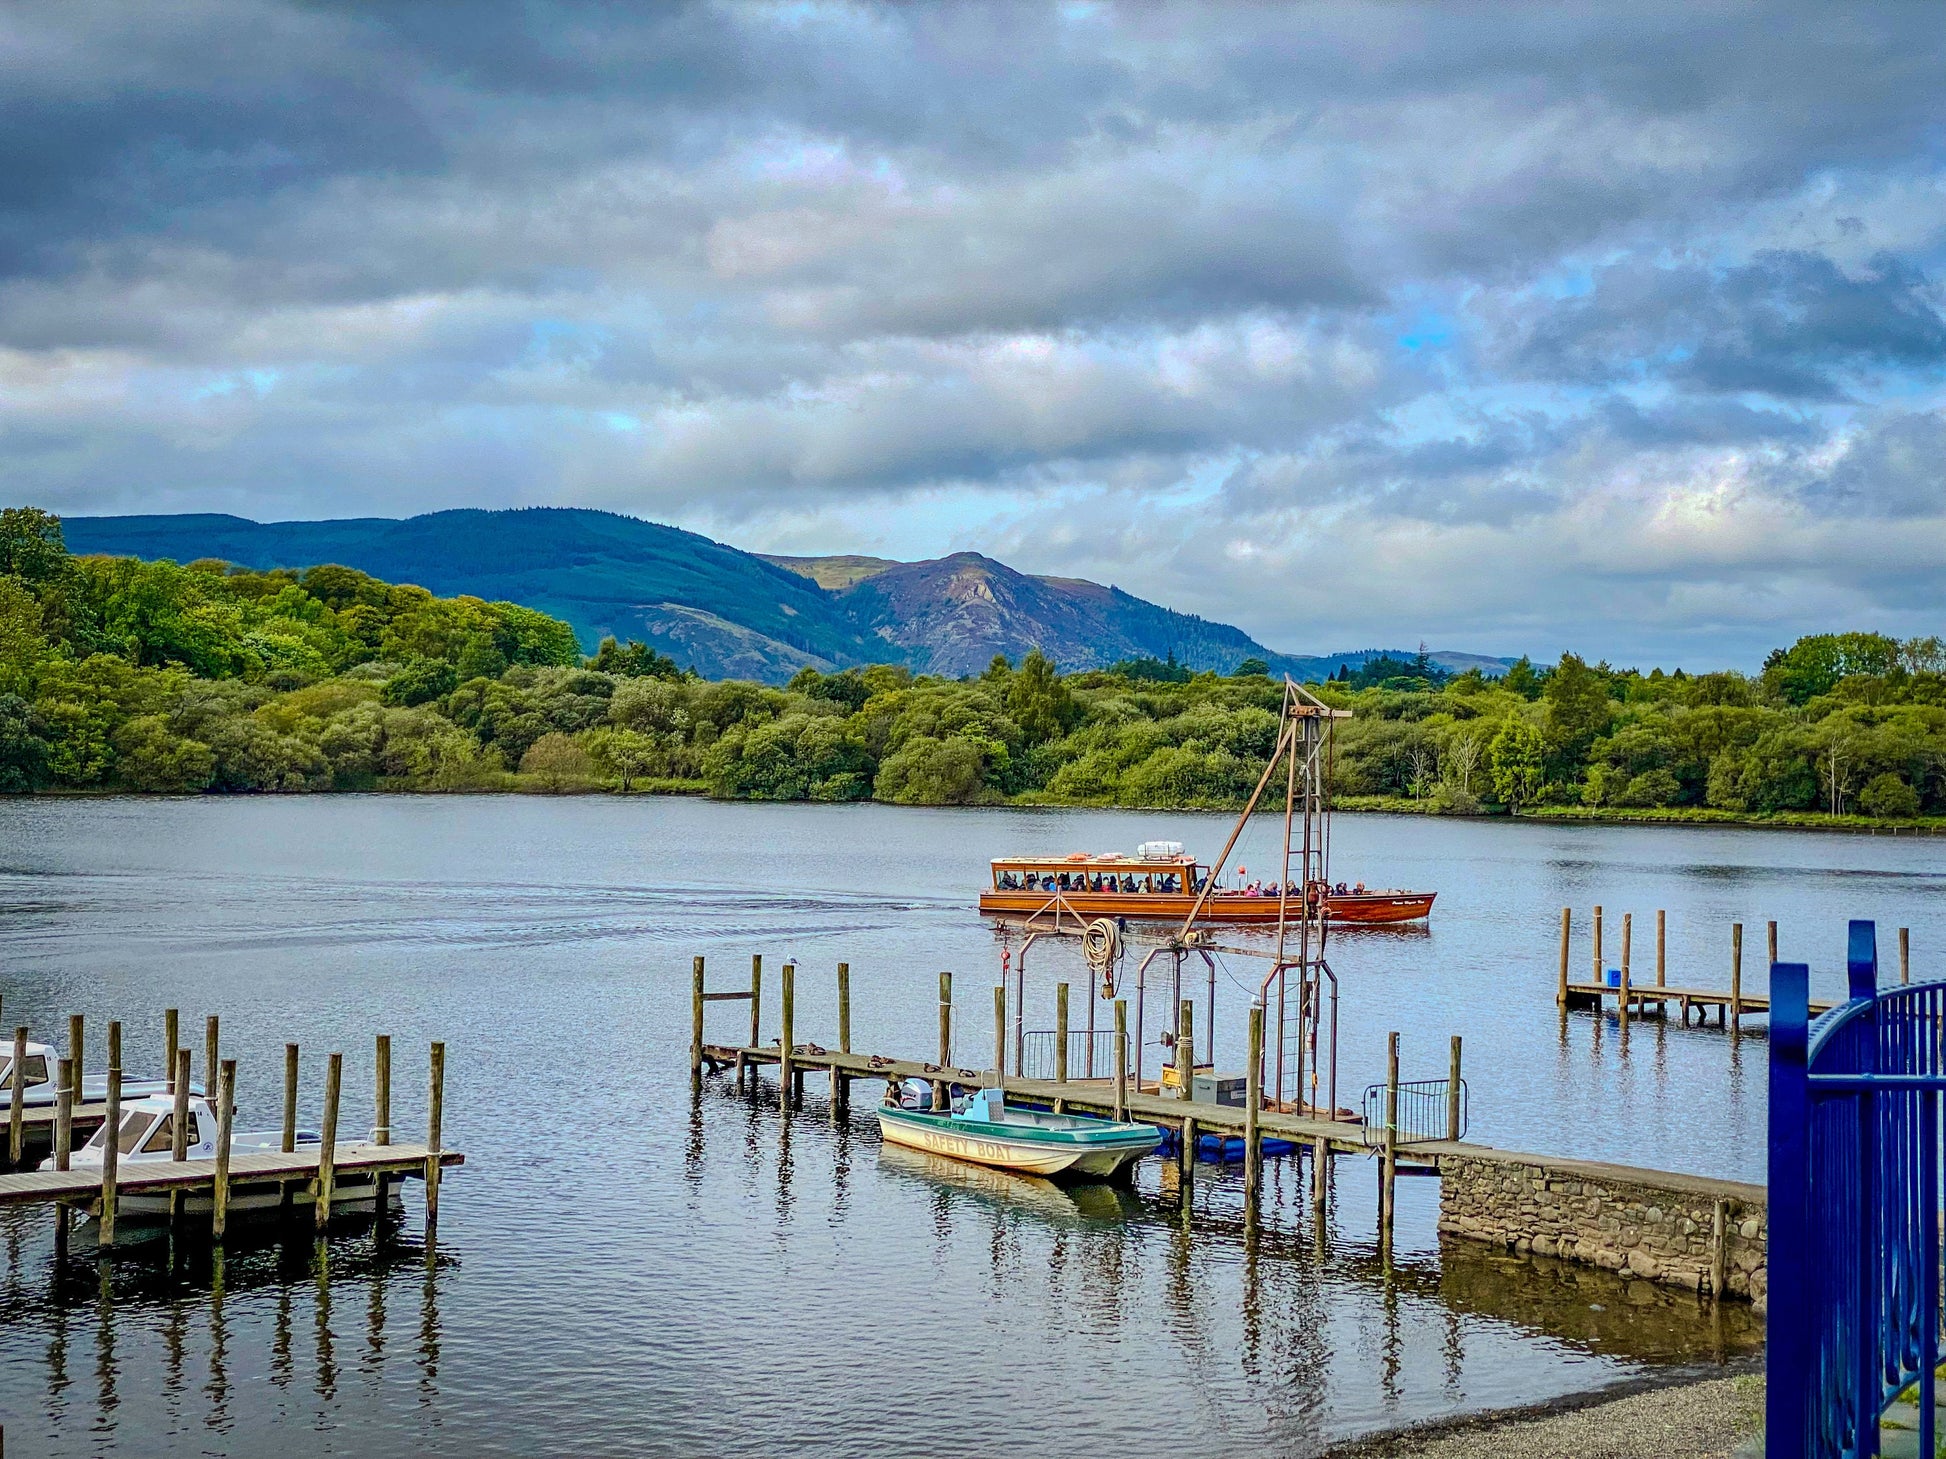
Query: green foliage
{"x":1887,"y":796}
{"x":23,"y":747}
{"x":1815,"y":665}
{"x":1517,"y":760}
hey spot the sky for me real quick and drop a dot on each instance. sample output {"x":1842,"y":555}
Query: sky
{"x":1615,"y":328}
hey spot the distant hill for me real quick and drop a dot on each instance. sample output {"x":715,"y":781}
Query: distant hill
{"x":727,"y":612}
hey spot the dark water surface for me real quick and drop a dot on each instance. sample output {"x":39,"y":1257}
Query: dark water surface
{"x":621,"y":1269}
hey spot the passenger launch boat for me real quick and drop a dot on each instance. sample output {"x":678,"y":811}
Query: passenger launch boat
{"x":1161,"y":883}
{"x":987,"y":1132}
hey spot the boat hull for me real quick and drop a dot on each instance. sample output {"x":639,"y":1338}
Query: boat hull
{"x":1092,"y":1157}
{"x":1367,"y":909}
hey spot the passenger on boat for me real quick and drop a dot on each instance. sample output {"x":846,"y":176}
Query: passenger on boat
{"x":1359,"y":890}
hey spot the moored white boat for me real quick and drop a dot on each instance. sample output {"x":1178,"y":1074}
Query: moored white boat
{"x":40,"y":1087}
{"x":988,"y":1132}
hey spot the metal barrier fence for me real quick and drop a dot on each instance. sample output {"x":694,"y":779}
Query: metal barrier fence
{"x":1854,"y":1239}
{"x":1426,"y":1112}
{"x":1090,"y":1055}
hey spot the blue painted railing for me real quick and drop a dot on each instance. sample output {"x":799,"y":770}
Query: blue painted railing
{"x":1854,"y":1247}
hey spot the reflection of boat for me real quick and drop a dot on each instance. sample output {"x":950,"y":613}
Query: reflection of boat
{"x":1090,"y":1200}
{"x":1161,"y":883}
{"x":987,"y":1132}
{"x":148,"y":1135}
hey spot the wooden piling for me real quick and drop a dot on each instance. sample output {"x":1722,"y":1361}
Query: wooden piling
{"x":64,"y":1115}
{"x":787,"y":993}
{"x":1601,"y":973}
{"x":1060,"y":1033}
{"x":1772,"y":959}
{"x":945,"y":1019}
{"x":1905,"y":955}
{"x":1661,"y":948}
{"x":1453,"y":1092}
{"x":1561,"y":988}
{"x":172,"y":1040}
{"x":1719,"y":1248}
{"x":1121,"y":1058}
{"x":1253,"y":1103}
{"x":1628,"y":933}
{"x":696,"y":1023}
{"x":209,"y":1056}
{"x":1389,"y":1162}
{"x":17,"y":1102}
{"x":1000,"y":1035}
{"x":1186,"y":1159}
{"x":290,"y":1098}
{"x":219,"y":1219}
{"x":179,"y":1146}
{"x":756,"y":1000}
{"x":334,"y":1071}
{"x":382,"y":1094}
{"x":1186,"y":1049}
{"x":844,"y":1008}
{"x":435,"y":1108}
{"x":111,"y":1145}
{"x":75,"y":1031}
{"x":1734,"y":1013}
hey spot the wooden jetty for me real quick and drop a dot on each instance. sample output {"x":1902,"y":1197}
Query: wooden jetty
{"x":1633,"y":999}
{"x":312,"y":1171}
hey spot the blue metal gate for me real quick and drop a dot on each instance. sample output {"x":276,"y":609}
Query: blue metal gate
{"x":1854,"y":1248}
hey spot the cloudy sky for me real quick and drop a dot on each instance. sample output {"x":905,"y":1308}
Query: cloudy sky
{"x":1617,"y":327}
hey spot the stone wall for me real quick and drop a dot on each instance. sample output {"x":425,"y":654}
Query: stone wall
{"x":1650,"y":1224}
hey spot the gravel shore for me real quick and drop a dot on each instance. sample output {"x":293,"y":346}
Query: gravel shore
{"x":1707,"y":1419}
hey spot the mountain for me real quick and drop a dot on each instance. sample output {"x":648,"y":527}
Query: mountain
{"x":727,"y":612}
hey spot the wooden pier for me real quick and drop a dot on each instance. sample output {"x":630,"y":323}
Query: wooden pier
{"x":312,"y":1173}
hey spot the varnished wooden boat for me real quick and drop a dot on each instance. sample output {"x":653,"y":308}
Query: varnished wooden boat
{"x":1163,"y":888}
{"x":1032,"y":1142}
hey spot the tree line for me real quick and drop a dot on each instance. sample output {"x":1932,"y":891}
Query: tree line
{"x":120,"y":674}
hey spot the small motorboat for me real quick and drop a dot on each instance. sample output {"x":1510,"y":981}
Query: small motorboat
{"x":987,"y":1132}
{"x":148,"y":1134}
{"x":39,"y":1086}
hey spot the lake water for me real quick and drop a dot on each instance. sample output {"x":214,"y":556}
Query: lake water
{"x":621,"y":1268}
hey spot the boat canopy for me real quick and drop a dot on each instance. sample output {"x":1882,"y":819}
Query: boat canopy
{"x":1100,"y":860}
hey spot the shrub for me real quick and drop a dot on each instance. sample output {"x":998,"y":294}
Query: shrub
{"x":557,"y":762}
{"x":1888,"y":797}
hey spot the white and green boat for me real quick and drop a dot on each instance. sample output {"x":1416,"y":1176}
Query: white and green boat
{"x":1034,"y":1142}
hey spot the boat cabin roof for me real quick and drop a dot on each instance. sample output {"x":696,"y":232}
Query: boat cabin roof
{"x":1095,"y":861}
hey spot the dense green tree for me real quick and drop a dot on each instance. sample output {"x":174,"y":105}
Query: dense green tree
{"x":23,"y":747}
{"x":1517,"y":760}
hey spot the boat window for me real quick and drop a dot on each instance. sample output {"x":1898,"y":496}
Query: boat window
{"x":132,"y":1127}
{"x":1169,"y":882}
{"x":163,"y":1141}
{"x":36,"y":1071}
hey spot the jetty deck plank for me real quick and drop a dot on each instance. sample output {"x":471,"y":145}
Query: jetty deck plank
{"x":29,"y":1187}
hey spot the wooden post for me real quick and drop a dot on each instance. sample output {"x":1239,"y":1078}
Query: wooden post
{"x":334,"y":1070}
{"x":1253,"y":1102}
{"x":1735,"y":1011}
{"x":111,"y":1144}
{"x":225,"y":1115}
{"x":179,"y":1146}
{"x":1719,"y":1248}
{"x":945,"y":1019}
{"x":290,"y":1098}
{"x":1453,"y":1092}
{"x":788,"y":995}
{"x":17,"y":1102}
{"x":756,"y":1000}
{"x":1561,"y":987}
{"x":381,"y":1093}
{"x":1661,"y":948}
{"x":1773,"y":947}
{"x":1060,"y":1033}
{"x":1601,"y":973}
{"x":999,"y":1035}
{"x":696,"y":1023}
{"x":74,"y":1052}
{"x":1628,"y":931}
{"x":1186,"y":1049}
{"x":64,"y":1115}
{"x":844,"y":1008}
{"x":209,"y":1056}
{"x":1121,"y":1058}
{"x":172,"y":1038}
{"x":1905,"y":954}
{"x":1389,"y":1165}
{"x":435,"y":1108}
{"x":1186,"y":1158}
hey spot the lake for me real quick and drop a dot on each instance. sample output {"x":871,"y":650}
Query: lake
{"x":621,"y":1268}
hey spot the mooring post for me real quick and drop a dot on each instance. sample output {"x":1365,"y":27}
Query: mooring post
{"x":209,"y":1060}
{"x":1186,"y":1073}
{"x":179,"y":1146}
{"x":111,"y":1146}
{"x":1601,"y":975}
{"x":945,"y":1036}
{"x":1121,"y":1058}
{"x":844,"y":1008}
{"x":1561,"y":986}
{"x":696,"y":1023}
{"x":435,"y":1108}
{"x":1905,"y":954}
{"x":225,"y":1115}
{"x":290,"y":1098}
{"x":788,"y":996}
{"x":1661,"y":947}
{"x":1773,"y":945}
{"x":75,"y":1031}
{"x":1628,"y":932}
{"x":64,"y":1115}
{"x":1060,"y":1033}
{"x":756,"y":1000}
{"x":1453,"y":1092}
{"x":1000,"y":1034}
{"x":17,"y":1102}
{"x":1389,"y":1167}
{"x":381,"y":1095}
{"x":1253,"y":1102}
{"x":171,"y":1038}
{"x":1734,"y":1013}
{"x":334,"y":1071}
